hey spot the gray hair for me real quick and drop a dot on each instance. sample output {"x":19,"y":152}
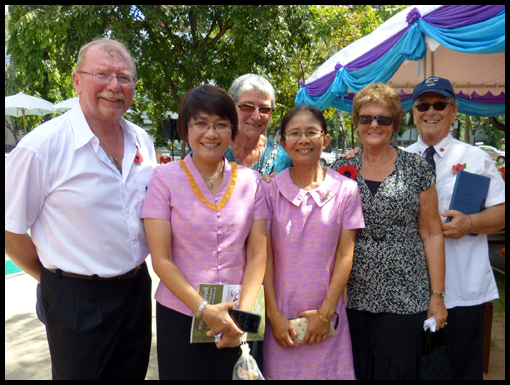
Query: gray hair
{"x":110,"y":46}
{"x":251,"y":82}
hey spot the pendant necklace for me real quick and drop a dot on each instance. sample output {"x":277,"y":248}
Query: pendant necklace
{"x":109,"y":153}
{"x":210,"y":184}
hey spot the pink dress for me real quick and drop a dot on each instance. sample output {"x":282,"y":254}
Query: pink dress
{"x":305,"y":228}
{"x":208,"y":233}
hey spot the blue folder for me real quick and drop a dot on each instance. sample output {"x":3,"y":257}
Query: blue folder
{"x":469,"y":193}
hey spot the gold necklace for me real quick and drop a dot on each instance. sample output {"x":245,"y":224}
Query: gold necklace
{"x":319,"y":180}
{"x":239,"y":157}
{"x":210,"y":185}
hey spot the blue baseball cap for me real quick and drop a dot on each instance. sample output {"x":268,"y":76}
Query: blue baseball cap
{"x":434,"y":84}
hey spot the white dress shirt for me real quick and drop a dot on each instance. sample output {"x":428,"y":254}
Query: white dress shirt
{"x":469,"y":277}
{"x":83,"y":214}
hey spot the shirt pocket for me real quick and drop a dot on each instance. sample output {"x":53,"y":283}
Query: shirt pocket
{"x":142,"y":180}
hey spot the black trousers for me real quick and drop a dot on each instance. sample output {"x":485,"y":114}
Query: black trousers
{"x":98,"y":329}
{"x":386,"y":346}
{"x":180,"y":360}
{"x":464,"y":334}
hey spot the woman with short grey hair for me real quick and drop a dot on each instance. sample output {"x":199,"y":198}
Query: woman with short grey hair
{"x":255,"y":101}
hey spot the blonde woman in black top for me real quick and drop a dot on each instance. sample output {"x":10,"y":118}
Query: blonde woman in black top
{"x":398,"y":266}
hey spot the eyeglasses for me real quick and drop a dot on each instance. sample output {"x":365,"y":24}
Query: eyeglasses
{"x":101,"y":77}
{"x":295,"y":135}
{"x":220,"y":128}
{"x":438,"y":106}
{"x":249,"y":108}
{"x":381,"y":120}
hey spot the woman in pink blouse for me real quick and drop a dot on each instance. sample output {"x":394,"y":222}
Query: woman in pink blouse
{"x":314,"y":214}
{"x":205,"y":220}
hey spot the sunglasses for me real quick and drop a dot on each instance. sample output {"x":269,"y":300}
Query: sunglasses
{"x":381,"y":120}
{"x":438,"y":106}
{"x":249,"y":108}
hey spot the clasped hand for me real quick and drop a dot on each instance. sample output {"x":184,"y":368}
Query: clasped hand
{"x":216,"y":317}
{"x":285,"y":334}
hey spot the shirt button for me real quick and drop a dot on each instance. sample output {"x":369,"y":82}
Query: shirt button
{"x":219,"y":232}
{"x":219,"y":268}
{"x":216,"y":200}
{"x":218,"y":215}
{"x":218,"y":249}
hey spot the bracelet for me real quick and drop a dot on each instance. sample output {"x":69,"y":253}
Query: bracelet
{"x":321,"y":317}
{"x":201,"y":309}
{"x":440,"y":293}
{"x":471,"y":221}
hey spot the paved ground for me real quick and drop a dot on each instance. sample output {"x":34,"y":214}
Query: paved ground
{"x":26,"y":348}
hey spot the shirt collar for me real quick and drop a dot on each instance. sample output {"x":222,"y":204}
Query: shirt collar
{"x":83,"y":134}
{"x":295,"y":195}
{"x":441,"y":147}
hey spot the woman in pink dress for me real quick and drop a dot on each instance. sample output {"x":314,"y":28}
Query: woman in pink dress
{"x":205,"y":220}
{"x":314,"y":215}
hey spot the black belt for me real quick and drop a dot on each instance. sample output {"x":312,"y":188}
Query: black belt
{"x":129,"y":274}
{"x":386,"y":232}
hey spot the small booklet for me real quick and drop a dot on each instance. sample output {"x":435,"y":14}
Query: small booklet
{"x":226,"y":293}
{"x":469,"y":193}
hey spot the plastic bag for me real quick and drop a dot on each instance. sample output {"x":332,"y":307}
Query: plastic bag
{"x":246,"y":367}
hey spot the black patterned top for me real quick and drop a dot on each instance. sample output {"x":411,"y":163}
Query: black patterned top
{"x":389,"y":272}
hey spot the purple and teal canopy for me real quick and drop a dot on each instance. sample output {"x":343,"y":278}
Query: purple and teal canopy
{"x":463,"y":43}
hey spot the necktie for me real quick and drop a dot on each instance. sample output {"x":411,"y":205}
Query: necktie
{"x":429,"y":157}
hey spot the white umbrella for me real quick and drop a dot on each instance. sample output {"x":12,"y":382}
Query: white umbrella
{"x":66,"y":104}
{"x":70,"y":103}
{"x":21,"y":105}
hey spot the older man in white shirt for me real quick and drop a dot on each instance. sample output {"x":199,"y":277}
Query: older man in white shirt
{"x":78,"y":182}
{"x":470,"y":281}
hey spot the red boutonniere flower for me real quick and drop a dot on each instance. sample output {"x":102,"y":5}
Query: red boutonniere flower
{"x":138,"y":157}
{"x":441,"y":149}
{"x":458,"y":167}
{"x":348,"y":171}
{"x":502,"y":171}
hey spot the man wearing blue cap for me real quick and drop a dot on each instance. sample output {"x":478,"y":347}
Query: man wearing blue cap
{"x":469,"y":278}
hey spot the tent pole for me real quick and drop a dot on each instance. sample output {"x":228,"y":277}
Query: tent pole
{"x":432,"y":63}
{"x":424,"y":67}
{"x":24,"y":123}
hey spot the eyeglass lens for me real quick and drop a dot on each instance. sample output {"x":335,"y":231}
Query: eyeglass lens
{"x":438,"y":106}
{"x":250,"y":108}
{"x":202,"y":127}
{"x":381,"y":120}
{"x":295,"y":135}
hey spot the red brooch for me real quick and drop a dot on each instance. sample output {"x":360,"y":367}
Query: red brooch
{"x":348,"y":171}
{"x":441,"y":149}
{"x":458,"y":167}
{"x":138,"y":157}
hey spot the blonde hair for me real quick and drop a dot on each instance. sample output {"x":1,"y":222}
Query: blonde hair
{"x":108,"y":45}
{"x":378,"y":93}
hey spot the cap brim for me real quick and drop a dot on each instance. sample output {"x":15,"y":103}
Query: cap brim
{"x":444,"y":93}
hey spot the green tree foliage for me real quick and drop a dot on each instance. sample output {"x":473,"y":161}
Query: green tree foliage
{"x":176,"y":47}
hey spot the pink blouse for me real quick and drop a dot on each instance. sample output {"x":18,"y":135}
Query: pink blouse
{"x":208,"y":233}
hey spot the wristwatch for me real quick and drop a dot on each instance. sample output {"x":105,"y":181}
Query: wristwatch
{"x":440,"y":293}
